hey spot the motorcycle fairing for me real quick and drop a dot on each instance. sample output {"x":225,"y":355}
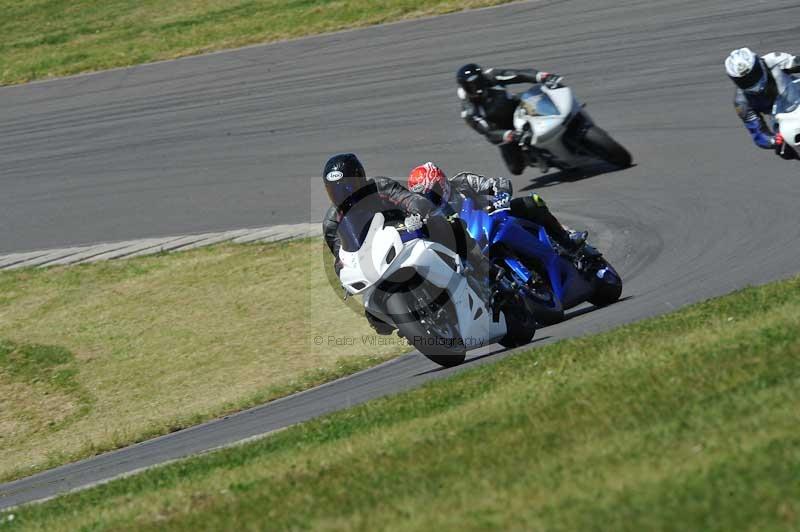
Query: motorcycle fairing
{"x":786,"y":110}
{"x":493,"y":231}
{"x":557,"y":134}
{"x":384,"y":253}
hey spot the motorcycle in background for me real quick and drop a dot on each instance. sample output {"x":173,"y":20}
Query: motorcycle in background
{"x":786,"y":112}
{"x":558,"y":132}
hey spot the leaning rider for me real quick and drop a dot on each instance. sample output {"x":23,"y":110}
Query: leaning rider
{"x":488,"y":108}
{"x":430,"y":180}
{"x":352,"y":193}
{"x":756,"y":80}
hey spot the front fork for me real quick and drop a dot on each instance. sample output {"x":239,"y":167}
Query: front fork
{"x":576,"y":129}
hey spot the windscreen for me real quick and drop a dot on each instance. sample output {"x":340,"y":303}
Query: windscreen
{"x":537,"y":103}
{"x":353,"y":228}
{"x":789,"y":99}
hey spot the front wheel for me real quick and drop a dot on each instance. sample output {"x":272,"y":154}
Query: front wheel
{"x":601,"y":145}
{"x":608,"y":286}
{"x":431,"y":331}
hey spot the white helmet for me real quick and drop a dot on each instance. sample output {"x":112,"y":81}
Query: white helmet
{"x":745,"y":69}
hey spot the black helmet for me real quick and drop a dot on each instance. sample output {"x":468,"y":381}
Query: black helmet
{"x":343,"y":175}
{"x":471,"y":79}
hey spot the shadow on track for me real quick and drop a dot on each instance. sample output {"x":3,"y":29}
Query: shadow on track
{"x":574,"y":313}
{"x":570,"y":176}
{"x":498,"y":351}
{"x":580,"y":311}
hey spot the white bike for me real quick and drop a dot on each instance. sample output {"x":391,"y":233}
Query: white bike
{"x":786,"y":111}
{"x":558,"y":132}
{"x":425,"y":290}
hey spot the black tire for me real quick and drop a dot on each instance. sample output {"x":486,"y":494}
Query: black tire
{"x":545,"y":310}
{"x":518,"y":332}
{"x":606,"y":292}
{"x":601,"y":145}
{"x":439,"y":350}
{"x":447,"y":361}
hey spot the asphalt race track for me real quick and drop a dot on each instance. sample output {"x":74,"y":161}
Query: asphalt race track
{"x":229,"y":140}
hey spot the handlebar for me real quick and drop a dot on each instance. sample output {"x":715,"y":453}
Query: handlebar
{"x":491,"y":209}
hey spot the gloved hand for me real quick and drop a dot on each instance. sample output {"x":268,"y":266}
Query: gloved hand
{"x":551,"y":81}
{"x":777,"y":143}
{"x":501,"y":200}
{"x":413,"y":222}
{"x":511,"y":136}
{"x":517,"y":137}
{"x":781,"y":150}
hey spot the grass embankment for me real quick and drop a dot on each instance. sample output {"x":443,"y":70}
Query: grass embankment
{"x":684,"y":422}
{"x":46,"y":38}
{"x":98,"y":356}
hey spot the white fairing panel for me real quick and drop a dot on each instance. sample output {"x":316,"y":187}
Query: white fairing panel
{"x":789,"y":125}
{"x":475,"y":317}
{"x":545,"y":127}
{"x":367,"y":265}
{"x":787,"y":109}
{"x":548,"y":128}
{"x":383,"y":253}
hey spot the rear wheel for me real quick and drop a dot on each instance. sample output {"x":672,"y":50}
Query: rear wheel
{"x":600,"y":144}
{"x":520,"y":329}
{"x":430,"y":329}
{"x":547,"y":311}
{"x":540,"y":297}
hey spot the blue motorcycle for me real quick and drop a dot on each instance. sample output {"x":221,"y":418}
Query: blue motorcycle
{"x":552,"y":280}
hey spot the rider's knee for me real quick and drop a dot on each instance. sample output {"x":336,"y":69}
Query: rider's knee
{"x":519,"y":207}
{"x":538,"y":200}
{"x":530,"y":207}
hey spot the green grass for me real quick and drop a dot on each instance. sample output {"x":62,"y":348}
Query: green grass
{"x":99,"y":356}
{"x":50,"y":370}
{"x":684,"y":422}
{"x":46,"y":38}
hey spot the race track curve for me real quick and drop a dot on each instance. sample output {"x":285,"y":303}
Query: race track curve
{"x":229,"y":140}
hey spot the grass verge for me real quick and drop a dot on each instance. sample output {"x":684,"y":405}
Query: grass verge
{"x":46,"y":38}
{"x":683,"y":422}
{"x":99,"y":356}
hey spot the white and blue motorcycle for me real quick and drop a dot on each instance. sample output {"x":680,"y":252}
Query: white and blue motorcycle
{"x":427,"y":292}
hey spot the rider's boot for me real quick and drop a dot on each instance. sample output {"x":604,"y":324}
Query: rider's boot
{"x":584,"y":248}
{"x":581,"y":247}
{"x":574,"y":244}
{"x":578,"y":238}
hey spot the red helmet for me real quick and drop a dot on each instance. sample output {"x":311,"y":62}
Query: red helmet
{"x":429,"y":180}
